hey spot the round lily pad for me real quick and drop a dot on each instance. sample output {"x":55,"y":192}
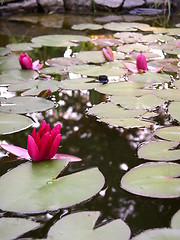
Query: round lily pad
{"x":170,"y":94}
{"x":10,"y":123}
{"x":59,"y":40}
{"x":53,"y":70}
{"x":78,"y":84}
{"x":158,"y":234}
{"x":12,"y":228}
{"x":128,"y":37}
{"x":81,"y":226}
{"x":91,"y":56}
{"x":150,"y":78}
{"x":158,"y":180}
{"x":25,"y":105}
{"x":84,"y":26}
{"x":159,"y":151}
{"x":169,"y":133}
{"x":175,"y":221}
{"x":174,"y":110}
{"x":128,"y":48}
{"x":34,"y":187}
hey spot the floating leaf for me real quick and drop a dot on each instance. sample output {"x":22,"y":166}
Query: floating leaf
{"x":9,"y":63}
{"x":144,"y":102}
{"x":158,"y":234}
{"x":22,"y":46}
{"x":150,"y":78}
{"x":78,"y":84}
{"x":25,"y":105}
{"x":175,"y":221}
{"x":81,"y":226}
{"x":91,"y":56}
{"x":84,"y":26}
{"x":169,"y":133}
{"x":125,"y":26}
{"x":155,"y":37}
{"x":40,"y":190}
{"x":159,"y":151}
{"x":4,"y":51}
{"x":59,"y":40}
{"x":12,"y":228}
{"x":63,"y":62}
{"x":10,"y":123}
{"x":128,"y":48}
{"x":54,"y":70}
{"x":106,"y":42}
{"x":128,"y":37}
{"x":170,"y":94}
{"x":159,"y":180}
{"x":174,"y":110}
{"x":169,"y":31}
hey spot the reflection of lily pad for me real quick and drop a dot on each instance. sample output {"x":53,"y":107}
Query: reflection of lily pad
{"x":174,"y":110}
{"x":11,"y":228}
{"x":153,"y":180}
{"x":10,"y":123}
{"x":175,"y":221}
{"x":83,"y":26}
{"x":40,"y":190}
{"x":78,"y":84}
{"x":159,"y":151}
{"x":158,"y":234}
{"x":81,"y":226}
{"x":25,"y":105}
{"x":169,"y":133}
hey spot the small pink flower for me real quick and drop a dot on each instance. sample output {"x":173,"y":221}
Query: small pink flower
{"x":178,"y":45}
{"x":26,"y":62}
{"x":141,"y":63}
{"x":108,"y":54}
{"x":44,"y":144}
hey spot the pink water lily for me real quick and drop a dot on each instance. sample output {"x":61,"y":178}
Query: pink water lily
{"x":108,"y":54}
{"x":141,"y":65}
{"x":26,"y":62}
{"x":42,"y":145}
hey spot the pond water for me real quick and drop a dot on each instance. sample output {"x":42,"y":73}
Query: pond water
{"x":91,"y":136}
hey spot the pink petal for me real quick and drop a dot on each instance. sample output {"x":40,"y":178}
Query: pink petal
{"x":45,"y":146}
{"x":68,"y":157}
{"x":35,"y":63}
{"x":54,"y":146}
{"x":107,"y":54}
{"x":34,"y":133}
{"x":130,"y":68}
{"x":25,"y":61}
{"x":178,"y":45}
{"x":38,"y":66}
{"x":42,"y":127}
{"x":32,"y":149}
{"x":156,"y":70}
{"x":15,"y":150}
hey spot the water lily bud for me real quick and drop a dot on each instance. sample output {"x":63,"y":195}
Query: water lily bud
{"x":45,"y":93}
{"x":25,"y":61}
{"x":141,"y":63}
{"x":108,"y":54}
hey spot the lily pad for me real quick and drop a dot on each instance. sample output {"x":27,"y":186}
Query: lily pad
{"x":170,"y":94}
{"x":84,"y":26}
{"x":155,"y":37}
{"x":175,"y":221}
{"x":174,"y":110}
{"x":158,"y":234}
{"x":159,"y":151}
{"x":4,"y":51}
{"x":169,"y":133}
{"x":53,"y":70}
{"x":26,"y":105}
{"x":63,"y":62}
{"x":128,"y":37}
{"x":91,"y":56}
{"x":40,"y":190}
{"x":10,"y":123}
{"x":9,"y":63}
{"x":128,"y":48}
{"x":169,"y":31}
{"x":144,"y":102}
{"x":22,"y":46}
{"x":12,"y":228}
{"x":78,"y":84}
{"x":60,"y":40}
{"x":125,"y":26}
{"x":157,"y":180}
{"x":150,"y":78}
{"x":81,"y":226}
{"x":106,"y":42}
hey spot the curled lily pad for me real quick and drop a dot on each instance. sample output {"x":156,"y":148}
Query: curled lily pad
{"x":12,"y":228}
{"x":158,"y":234}
{"x":175,"y":221}
{"x":10,"y":123}
{"x":169,"y":133}
{"x":83,"y":26}
{"x":174,"y":110}
{"x":159,"y":180}
{"x":159,"y":151}
{"x":78,"y":84}
{"x":81,"y":226}
{"x":25,"y":105}
{"x":41,"y":190}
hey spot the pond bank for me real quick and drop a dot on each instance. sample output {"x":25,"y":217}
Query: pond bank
{"x":80,"y":6}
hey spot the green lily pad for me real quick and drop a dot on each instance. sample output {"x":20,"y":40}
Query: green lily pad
{"x":84,"y":26}
{"x":143,"y":102}
{"x":104,"y":42}
{"x":78,"y":84}
{"x":63,"y":62}
{"x":170,"y":94}
{"x":22,"y":46}
{"x":150,"y":78}
{"x":59,"y":40}
{"x":4,"y":51}
{"x":10,"y":123}
{"x":81,"y":226}
{"x":54,"y":70}
{"x":128,"y":48}
{"x":40,"y":190}
{"x":125,"y":26}
{"x":159,"y":180}
{"x":158,"y":234}
{"x":91,"y":56}
{"x":174,"y":110}
{"x":159,"y":151}
{"x":177,"y":84}
{"x":12,"y":228}
{"x":26,"y":105}
{"x":169,"y":31}
{"x":156,"y":37}
{"x":109,"y":110}
{"x":175,"y":221}
{"x":126,"y":122}
{"x":9,"y":63}
{"x":169,"y":133}
{"x":128,"y":37}
{"x":92,"y":70}
{"x":13,"y":76}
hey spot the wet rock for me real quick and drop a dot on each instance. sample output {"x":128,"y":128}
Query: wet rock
{"x":132,"y":4}
{"x":78,"y":5}
{"x":108,"y":4}
{"x":51,"y":5}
